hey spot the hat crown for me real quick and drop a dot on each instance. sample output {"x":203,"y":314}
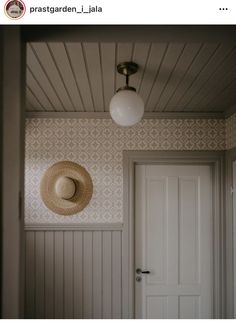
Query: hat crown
{"x":65,"y":188}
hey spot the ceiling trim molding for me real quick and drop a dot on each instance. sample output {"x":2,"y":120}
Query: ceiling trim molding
{"x":133,"y":33}
{"x":230,"y":111}
{"x":106,"y":115}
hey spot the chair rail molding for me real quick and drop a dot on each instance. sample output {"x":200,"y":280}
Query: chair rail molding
{"x":71,"y":227}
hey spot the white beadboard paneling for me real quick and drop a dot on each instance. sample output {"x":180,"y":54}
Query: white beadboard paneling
{"x":88,"y":275}
{"x":30,"y":275}
{"x":97,"y":274}
{"x":49,"y":278}
{"x":107,"y":275}
{"x":39,"y":275}
{"x":58,"y":274}
{"x":116,"y":275}
{"x":77,"y":274}
{"x":68,"y":275}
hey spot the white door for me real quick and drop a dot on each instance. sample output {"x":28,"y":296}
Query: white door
{"x":173,"y":242}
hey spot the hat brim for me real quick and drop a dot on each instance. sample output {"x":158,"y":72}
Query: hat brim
{"x":83,"y":191}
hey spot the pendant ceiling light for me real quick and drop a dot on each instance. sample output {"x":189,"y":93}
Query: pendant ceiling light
{"x":126,"y":106}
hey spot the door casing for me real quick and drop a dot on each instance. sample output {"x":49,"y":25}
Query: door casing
{"x":13,"y":58}
{"x":216,"y":161}
{"x":230,"y":237}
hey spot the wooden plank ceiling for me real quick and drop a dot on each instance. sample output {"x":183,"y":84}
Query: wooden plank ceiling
{"x":173,"y":77}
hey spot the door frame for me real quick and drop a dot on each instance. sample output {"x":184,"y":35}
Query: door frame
{"x":230,"y":236}
{"x":12,"y":105}
{"x":215,"y":159}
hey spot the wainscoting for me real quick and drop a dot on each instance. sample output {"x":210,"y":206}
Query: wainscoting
{"x":73,"y":272}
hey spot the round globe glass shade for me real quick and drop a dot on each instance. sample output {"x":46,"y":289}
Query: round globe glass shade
{"x":126,"y":108}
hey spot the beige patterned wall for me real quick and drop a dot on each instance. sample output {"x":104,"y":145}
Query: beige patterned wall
{"x":97,"y":145}
{"x":231,"y":132}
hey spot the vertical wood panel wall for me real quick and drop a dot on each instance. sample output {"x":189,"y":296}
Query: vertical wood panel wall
{"x":73,"y":274}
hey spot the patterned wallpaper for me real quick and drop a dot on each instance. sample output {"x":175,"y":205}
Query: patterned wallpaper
{"x":231,"y":132}
{"x":97,"y":144}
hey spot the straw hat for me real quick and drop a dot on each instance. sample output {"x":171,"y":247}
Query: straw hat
{"x":66,"y":188}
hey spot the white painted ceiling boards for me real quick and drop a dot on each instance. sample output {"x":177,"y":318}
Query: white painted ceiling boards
{"x":173,"y":77}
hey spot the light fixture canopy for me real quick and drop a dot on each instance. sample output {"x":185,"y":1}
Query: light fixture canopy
{"x":126,"y":106}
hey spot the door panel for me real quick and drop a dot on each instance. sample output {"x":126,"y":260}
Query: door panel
{"x":157,"y":307}
{"x":173,"y":240}
{"x":155,"y":225}
{"x":189,"y":307}
{"x":188,"y":230}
